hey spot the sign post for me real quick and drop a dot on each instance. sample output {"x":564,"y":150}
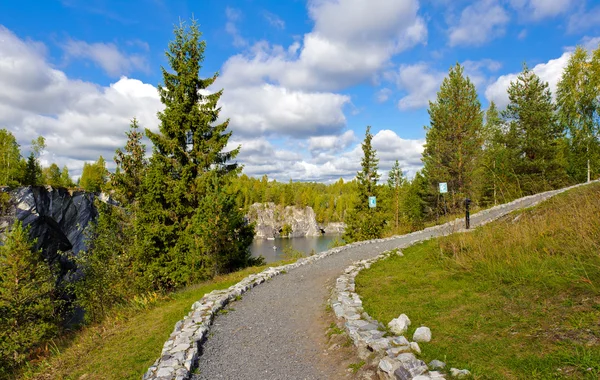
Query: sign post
{"x":372,"y":202}
{"x":467,"y":215}
{"x":444,"y":190}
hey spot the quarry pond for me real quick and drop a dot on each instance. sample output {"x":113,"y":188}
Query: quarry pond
{"x":304,"y":244}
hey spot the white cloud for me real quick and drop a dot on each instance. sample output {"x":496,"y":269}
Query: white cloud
{"x":550,"y":72}
{"x":421,"y":84}
{"x":274,"y":20}
{"x":274,"y":110}
{"x":79,"y":120}
{"x":233,"y":16}
{"x":106,"y":55}
{"x":541,"y":9}
{"x":383,"y":95}
{"x":331,"y":144}
{"x":590,"y":43}
{"x":334,"y":54}
{"x":479,"y":23}
{"x":584,"y":19}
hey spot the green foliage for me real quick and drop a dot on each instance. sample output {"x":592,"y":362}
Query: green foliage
{"x":28,"y":307}
{"x":131,"y":165}
{"x":188,"y":225}
{"x":396,"y":181}
{"x":533,"y":135}
{"x":52,"y":175}
{"x":10,"y":159}
{"x":365,"y":223}
{"x":94,"y":176}
{"x":454,"y":137}
{"x":106,"y":267}
{"x":65,"y":178}
{"x":286,"y":230}
{"x":578,"y":101}
{"x":33,"y":172}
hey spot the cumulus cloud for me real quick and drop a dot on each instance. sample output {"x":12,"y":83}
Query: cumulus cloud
{"x":421,"y":84}
{"x":383,"y":95}
{"x":584,"y":19}
{"x":479,"y":23}
{"x":106,"y":55}
{"x":550,"y":72}
{"x":79,"y":120}
{"x":540,"y":9}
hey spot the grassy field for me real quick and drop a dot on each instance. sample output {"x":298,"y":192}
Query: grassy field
{"x":516,"y":299}
{"x":128,"y":342}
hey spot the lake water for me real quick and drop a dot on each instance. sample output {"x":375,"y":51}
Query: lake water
{"x":306,"y":244}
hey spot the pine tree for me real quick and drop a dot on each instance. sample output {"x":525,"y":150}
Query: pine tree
{"x":189,"y":166}
{"x":454,"y":136}
{"x":33,"y":172}
{"x":131,"y":164}
{"x":533,"y":134}
{"x":395,"y":181}
{"x":363,"y":222}
{"x":28,"y":306}
{"x":577,"y":98}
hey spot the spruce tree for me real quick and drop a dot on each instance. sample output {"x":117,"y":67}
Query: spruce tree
{"x":454,"y":136}
{"x":363,"y":222}
{"x":396,"y":181}
{"x":577,"y":98}
{"x":131,"y":165}
{"x":533,"y":134}
{"x":28,"y":304}
{"x":188,"y":168}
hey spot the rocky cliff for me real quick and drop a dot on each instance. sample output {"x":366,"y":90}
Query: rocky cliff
{"x":57,"y":218}
{"x":271,"y":218}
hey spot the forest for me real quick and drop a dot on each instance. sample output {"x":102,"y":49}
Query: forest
{"x":181,"y":214}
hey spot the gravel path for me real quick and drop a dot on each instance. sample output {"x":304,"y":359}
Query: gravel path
{"x":277,"y":331}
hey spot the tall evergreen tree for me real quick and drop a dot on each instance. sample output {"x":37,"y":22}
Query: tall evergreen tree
{"x":578,"y":101}
{"x":131,"y":164}
{"x":188,"y":167}
{"x":395,"y":181}
{"x":454,"y":136}
{"x":533,"y":134}
{"x":363,"y":222}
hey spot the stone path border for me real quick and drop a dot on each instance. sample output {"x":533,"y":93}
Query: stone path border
{"x":181,"y":351}
{"x":397,"y":360}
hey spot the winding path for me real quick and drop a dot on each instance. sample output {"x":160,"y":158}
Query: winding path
{"x":277,"y":330}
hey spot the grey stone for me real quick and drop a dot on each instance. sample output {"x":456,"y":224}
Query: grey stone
{"x":422,"y":334}
{"x":402,"y":373}
{"x":399,"y":325}
{"x":436,"y":364}
{"x":459,"y":373}
{"x":415,"y":347}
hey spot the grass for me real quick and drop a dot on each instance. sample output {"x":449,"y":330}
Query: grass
{"x":517,"y":298}
{"x":130,"y":340}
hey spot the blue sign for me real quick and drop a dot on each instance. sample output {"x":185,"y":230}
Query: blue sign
{"x":443,"y":187}
{"x":372,"y":202}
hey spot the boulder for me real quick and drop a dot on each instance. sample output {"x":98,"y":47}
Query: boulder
{"x":270,"y":218}
{"x":422,"y":334}
{"x":399,"y":325}
{"x":459,"y":373}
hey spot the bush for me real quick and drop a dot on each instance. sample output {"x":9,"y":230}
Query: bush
{"x":28,"y":304}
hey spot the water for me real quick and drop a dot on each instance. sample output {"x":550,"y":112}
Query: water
{"x":306,"y":244}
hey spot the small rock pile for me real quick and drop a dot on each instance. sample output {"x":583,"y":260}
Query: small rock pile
{"x":397,"y":354}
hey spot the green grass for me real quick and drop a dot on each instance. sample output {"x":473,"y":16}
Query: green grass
{"x":130,"y":340}
{"x":514,"y":299}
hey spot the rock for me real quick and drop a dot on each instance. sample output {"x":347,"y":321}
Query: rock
{"x":422,"y":334}
{"x":388,"y":365}
{"x":436,"y":364}
{"x":415,"y":347}
{"x":421,"y":377}
{"x":400,"y":341}
{"x":402,"y":373}
{"x":459,"y":373}
{"x":435,"y":375}
{"x":270,"y":218}
{"x":399,"y":325}
{"x":335,"y":228}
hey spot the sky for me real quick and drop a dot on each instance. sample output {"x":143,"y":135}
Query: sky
{"x":301,"y":79}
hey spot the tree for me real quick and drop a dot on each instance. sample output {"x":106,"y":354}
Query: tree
{"x":188,"y":167}
{"x":533,"y":134}
{"x":10,"y":159}
{"x":33,"y":170}
{"x":93,"y":176}
{"x":395,"y":181}
{"x":454,"y":136}
{"x":53,"y":176}
{"x":65,"y":178}
{"x":363,"y":222}
{"x":28,"y":305}
{"x":577,"y":97}
{"x":131,"y":164}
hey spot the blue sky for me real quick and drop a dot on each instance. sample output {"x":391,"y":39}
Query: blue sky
{"x":301,"y":79}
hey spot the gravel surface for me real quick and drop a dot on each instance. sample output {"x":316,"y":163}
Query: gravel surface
{"x":277,"y":330}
